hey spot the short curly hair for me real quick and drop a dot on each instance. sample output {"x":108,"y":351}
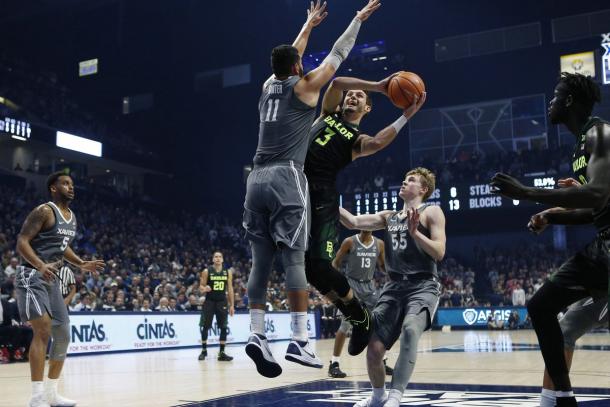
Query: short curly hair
{"x":583,"y":89}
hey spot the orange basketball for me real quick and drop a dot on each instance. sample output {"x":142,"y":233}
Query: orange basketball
{"x":403,"y":87}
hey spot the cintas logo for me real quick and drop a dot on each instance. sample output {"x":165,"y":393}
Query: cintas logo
{"x":155,"y":331}
{"x":88,"y":332}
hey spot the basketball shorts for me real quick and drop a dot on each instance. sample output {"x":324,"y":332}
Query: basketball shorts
{"x":211,"y":309}
{"x":276,"y":205}
{"x":36,"y":296}
{"x":400,"y":298}
{"x":588,"y":270}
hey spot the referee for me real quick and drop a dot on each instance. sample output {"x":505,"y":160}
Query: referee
{"x":67,"y":283}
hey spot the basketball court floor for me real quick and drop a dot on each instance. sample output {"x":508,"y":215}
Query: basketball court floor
{"x":461,"y":368}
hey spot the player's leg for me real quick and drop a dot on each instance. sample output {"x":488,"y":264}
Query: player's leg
{"x":33,"y":304}
{"x":222,"y":319}
{"x":334,"y":369}
{"x":580,"y":318}
{"x":374,"y":366}
{"x":421,"y":299}
{"x":299,"y":351}
{"x":205,"y":323}
{"x":256,"y":220}
{"x":60,"y":334}
{"x":323,"y":276}
{"x":543,"y":308}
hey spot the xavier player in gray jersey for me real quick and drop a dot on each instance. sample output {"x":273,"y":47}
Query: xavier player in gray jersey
{"x":43,"y":243}
{"x":361,"y":255}
{"x":276,"y":216}
{"x":586,"y":273}
{"x":414,"y":242}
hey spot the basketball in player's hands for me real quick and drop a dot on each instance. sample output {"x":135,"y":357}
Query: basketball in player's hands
{"x":403,"y":87}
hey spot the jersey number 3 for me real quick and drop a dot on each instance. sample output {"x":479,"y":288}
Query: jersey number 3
{"x":399,"y":241}
{"x":327,"y":136}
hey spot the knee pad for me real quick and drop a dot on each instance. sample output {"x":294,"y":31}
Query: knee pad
{"x":61,"y":340}
{"x":223,"y":334}
{"x":293,"y":262}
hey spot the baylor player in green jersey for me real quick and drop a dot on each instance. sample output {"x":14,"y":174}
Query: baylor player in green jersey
{"x":586,"y":273}
{"x":217,"y":282}
{"x":336,"y":142}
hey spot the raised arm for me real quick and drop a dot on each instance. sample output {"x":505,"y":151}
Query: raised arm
{"x":308,"y":89}
{"x":363,"y":222}
{"x":315,"y":14}
{"x":434,"y":245}
{"x":334,"y":93}
{"x":345,"y":248}
{"x":367,"y":145}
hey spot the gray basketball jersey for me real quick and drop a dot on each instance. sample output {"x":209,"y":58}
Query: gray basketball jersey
{"x":285,"y":122}
{"x":362,"y":260}
{"x":402,"y":255}
{"x":49,"y":245}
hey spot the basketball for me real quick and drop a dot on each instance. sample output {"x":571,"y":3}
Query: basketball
{"x":403,"y":87}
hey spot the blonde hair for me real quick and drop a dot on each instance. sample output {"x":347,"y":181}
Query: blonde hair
{"x":427,"y":179}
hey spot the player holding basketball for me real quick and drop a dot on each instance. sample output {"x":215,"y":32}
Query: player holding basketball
{"x":277,"y":197}
{"x":586,"y":273}
{"x":44,"y":243}
{"x":336,"y":142}
{"x":414,"y":242}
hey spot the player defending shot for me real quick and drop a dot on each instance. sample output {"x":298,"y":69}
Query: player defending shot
{"x":414,"y":242}
{"x":586,"y":273}
{"x":276,"y":215}
{"x":362,"y":254}
{"x":336,"y":142}
{"x":217,"y":282}
{"x":44,"y":243}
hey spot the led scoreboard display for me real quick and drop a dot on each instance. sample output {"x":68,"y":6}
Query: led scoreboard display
{"x":452,"y":198}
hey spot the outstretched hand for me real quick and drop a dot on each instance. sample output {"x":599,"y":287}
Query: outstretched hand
{"x":316,"y":13}
{"x":418,"y":102}
{"x":365,"y":13}
{"x":507,"y":186}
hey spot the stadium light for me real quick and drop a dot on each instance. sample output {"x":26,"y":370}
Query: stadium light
{"x":80,"y":144}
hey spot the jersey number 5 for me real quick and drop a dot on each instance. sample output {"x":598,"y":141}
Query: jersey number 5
{"x":272,"y":105}
{"x":64,"y":244}
{"x":399,"y":241}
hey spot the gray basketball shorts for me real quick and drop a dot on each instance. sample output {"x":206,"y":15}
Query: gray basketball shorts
{"x":583,"y":316}
{"x":276,"y":208}
{"x":366,"y":293}
{"x":399,"y":299}
{"x":36,"y":296}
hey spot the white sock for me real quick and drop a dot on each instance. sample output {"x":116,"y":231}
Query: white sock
{"x":37,"y":388}
{"x":547,"y":398}
{"x":335,"y":359}
{"x":395,"y":395}
{"x":51,"y":385}
{"x":257,"y":321}
{"x":565,"y":394}
{"x":379,"y":393}
{"x":299,"y":326}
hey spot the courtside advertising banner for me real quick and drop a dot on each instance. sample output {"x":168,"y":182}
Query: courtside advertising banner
{"x":477,"y":317}
{"x":116,"y":332}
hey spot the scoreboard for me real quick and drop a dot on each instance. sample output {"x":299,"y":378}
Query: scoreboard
{"x":452,"y":198}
